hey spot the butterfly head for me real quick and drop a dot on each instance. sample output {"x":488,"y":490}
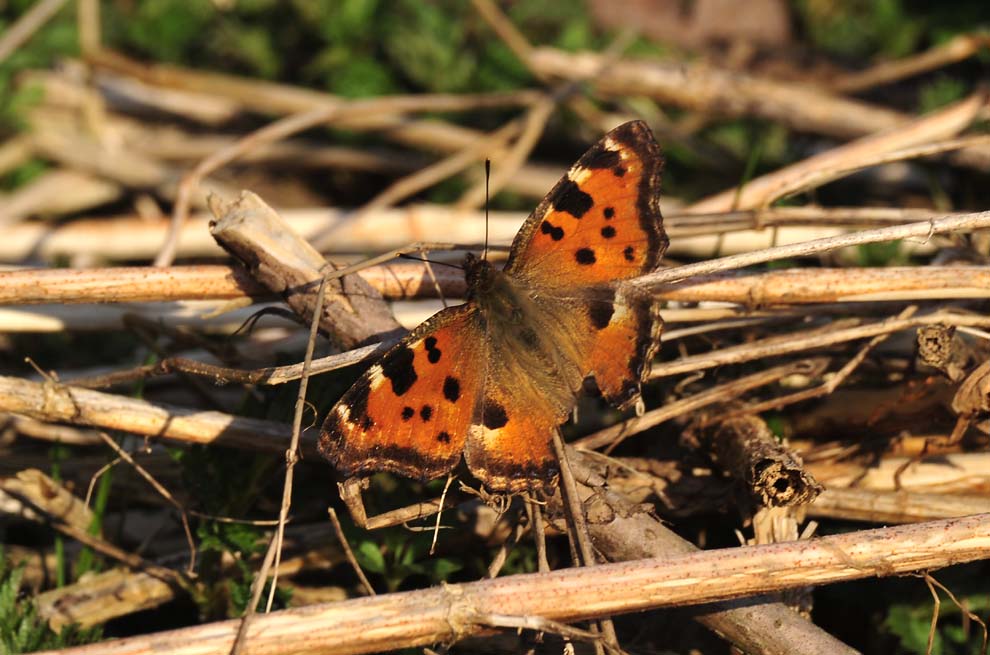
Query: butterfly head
{"x":481,"y":276}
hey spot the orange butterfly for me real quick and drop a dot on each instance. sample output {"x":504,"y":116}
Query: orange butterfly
{"x":492,"y":378}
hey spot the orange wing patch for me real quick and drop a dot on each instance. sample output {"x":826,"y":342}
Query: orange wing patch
{"x":601,"y":223}
{"x":623,"y":347}
{"x":509,"y":446}
{"x":410,"y":413}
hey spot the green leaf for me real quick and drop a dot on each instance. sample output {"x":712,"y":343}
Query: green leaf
{"x":441,"y":568}
{"x":370,"y":557}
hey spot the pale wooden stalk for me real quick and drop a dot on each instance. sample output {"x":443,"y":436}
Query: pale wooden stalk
{"x":131,"y":237}
{"x":957,"y":49}
{"x":922,"y":230}
{"x":451,"y":612}
{"x":949,"y":473}
{"x":613,"y":435}
{"x":17,"y":34}
{"x":893,"y":506}
{"x":808,"y":340}
{"x":54,"y":402}
{"x":57,"y":192}
{"x":407,"y":280}
{"x":941,"y":124}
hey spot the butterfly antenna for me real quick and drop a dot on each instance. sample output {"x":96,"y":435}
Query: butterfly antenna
{"x":403,"y":255}
{"x":488,"y":175}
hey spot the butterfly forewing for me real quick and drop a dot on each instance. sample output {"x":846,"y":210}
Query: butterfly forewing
{"x":601,"y":223}
{"x":410,"y":412}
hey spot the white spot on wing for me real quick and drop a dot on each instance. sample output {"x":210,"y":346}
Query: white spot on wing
{"x":376,"y":377}
{"x":578,"y":174}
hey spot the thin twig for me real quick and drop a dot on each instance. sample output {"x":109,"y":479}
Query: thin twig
{"x":348,"y":553}
{"x":162,"y":491}
{"x":923,"y":229}
{"x":291,"y":457}
{"x":830,"y":385}
{"x":575,"y":511}
{"x":17,"y":34}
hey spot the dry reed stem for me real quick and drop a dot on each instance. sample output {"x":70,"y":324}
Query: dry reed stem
{"x":60,"y":403}
{"x":838,"y":169}
{"x":30,"y":22}
{"x":854,"y":504}
{"x":924,"y":229}
{"x":14,"y":152}
{"x":950,"y":473}
{"x":955,"y":50}
{"x":435,"y":173}
{"x":761,"y":191}
{"x":45,"y":507}
{"x":700,"y":86}
{"x":269,"y":98}
{"x":57,"y":192}
{"x":275,"y":98}
{"x":103,"y":596}
{"x":89,"y":26}
{"x":613,"y":435}
{"x":451,"y":612}
{"x":788,"y":344}
{"x":409,"y":280}
{"x":136,"y":237}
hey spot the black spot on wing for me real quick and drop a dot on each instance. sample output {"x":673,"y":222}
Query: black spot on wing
{"x":600,"y":158}
{"x":600,"y":314}
{"x":407,"y":413}
{"x":568,"y":197}
{"x":451,"y":389}
{"x":628,"y":253}
{"x":619,"y":171}
{"x":366,"y":423}
{"x":432,"y":352}
{"x":494,"y":416}
{"x":443,"y":437}
{"x":608,"y":212}
{"x":556,"y":233}
{"x":398,"y":368}
{"x":426,"y":413}
{"x":608,"y":231}
{"x":585,"y":256}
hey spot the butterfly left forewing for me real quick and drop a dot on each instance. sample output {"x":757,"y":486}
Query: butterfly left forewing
{"x":410,"y":412}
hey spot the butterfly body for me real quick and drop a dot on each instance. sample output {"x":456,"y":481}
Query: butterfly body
{"x":492,"y":378}
{"x":531,"y":330}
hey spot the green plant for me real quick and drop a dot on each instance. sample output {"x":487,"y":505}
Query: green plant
{"x":226,"y":483}
{"x":21,"y":629}
{"x":887,"y":253}
{"x":401,"y":555}
{"x":911,"y":624}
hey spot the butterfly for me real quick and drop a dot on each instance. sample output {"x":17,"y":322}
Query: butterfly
{"x":491,"y":379}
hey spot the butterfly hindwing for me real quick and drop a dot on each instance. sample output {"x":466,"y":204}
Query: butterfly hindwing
{"x":601,"y":223}
{"x":623,"y":345}
{"x":509,"y":445}
{"x":410,"y":412}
